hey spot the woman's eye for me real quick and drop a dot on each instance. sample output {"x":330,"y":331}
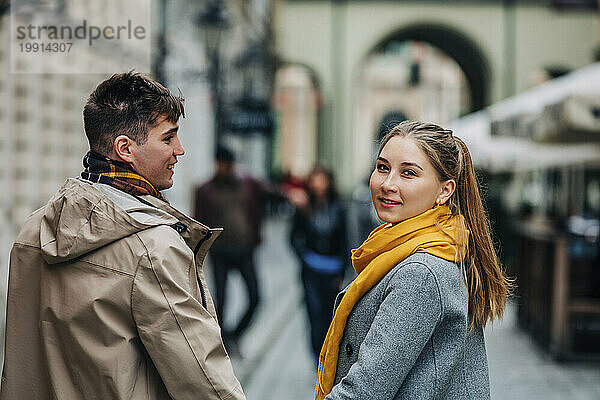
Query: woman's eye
{"x":168,"y":139}
{"x":382,"y":167}
{"x":409,"y":172}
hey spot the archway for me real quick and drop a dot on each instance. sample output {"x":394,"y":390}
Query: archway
{"x":457,"y":46}
{"x":424,"y":72}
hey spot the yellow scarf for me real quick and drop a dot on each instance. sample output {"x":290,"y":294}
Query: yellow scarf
{"x":433,"y":232}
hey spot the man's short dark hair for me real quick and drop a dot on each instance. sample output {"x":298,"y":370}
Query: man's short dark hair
{"x":127,"y":104}
{"x":224,"y":154}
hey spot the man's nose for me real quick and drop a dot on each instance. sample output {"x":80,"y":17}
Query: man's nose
{"x":178,"y":149}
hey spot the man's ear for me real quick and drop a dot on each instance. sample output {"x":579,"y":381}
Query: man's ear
{"x":123,"y":148}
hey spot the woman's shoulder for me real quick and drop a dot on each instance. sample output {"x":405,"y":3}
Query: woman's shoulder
{"x":429,"y":261}
{"x":434,"y":274}
{"x":443,"y":273}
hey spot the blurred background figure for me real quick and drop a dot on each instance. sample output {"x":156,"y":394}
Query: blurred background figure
{"x":319,"y":238}
{"x":236,"y":203}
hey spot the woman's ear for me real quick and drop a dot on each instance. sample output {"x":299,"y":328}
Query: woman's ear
{"x":446,"y":192}
{"x":123,"y":148}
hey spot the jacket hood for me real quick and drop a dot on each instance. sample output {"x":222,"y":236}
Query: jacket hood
{"x":83,"y":216}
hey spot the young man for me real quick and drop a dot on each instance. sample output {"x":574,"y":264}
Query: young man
{"x":107,"y":299}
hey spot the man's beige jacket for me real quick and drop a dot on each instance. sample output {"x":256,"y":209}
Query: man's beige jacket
{"x":107,"y":300}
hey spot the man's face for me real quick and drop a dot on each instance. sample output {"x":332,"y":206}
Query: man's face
{"x":155,"y":160}
{"x":224,"y":168}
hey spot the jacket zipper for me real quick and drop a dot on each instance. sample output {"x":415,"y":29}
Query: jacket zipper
{"x":179,"y":227}
{"x":202,"y":293}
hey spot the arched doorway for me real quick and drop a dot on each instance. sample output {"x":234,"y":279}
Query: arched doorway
{"x":429,"y":73}
{"x":455,"y":45}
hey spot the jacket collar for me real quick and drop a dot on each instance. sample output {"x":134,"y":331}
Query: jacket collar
{"x":196,"y":235}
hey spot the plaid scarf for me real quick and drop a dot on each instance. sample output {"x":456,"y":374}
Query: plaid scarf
{"x":101,"y":169}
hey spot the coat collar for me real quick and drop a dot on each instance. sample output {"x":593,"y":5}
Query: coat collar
{"x":196,"y":235}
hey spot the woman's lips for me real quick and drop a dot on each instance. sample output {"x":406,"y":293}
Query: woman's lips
{"x":387,"y":203}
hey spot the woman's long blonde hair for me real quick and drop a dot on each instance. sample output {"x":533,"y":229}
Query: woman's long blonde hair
{"x":487,"y":285}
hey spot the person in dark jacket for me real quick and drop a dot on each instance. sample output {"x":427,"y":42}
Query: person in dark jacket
{"x":236,"y":203}
{"x":319,"y":238}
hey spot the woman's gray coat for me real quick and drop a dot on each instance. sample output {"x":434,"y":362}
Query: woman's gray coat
{"x":408,"y":338}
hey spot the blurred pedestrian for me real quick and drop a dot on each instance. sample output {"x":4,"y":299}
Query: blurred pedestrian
{"x":235,"y":202}
{"x":319,"y":238}
{"x":106,"y":297}
{"x":410,"y":326}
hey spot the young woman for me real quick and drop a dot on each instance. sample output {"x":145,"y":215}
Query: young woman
{"x":410,"y":326}
{"x":318,"y":237}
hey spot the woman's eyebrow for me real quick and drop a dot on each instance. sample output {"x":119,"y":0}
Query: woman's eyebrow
{"x":406,"y":163}
{"x":411,"y":164}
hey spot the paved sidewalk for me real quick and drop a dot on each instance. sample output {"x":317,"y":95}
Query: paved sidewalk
{"x":519,"y":369}
{"x":278,"y":363}
{"x":280,"y":300}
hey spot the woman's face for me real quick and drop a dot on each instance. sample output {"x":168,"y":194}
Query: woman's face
{"x":405,"y":183}
{"x":318,"y":184}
